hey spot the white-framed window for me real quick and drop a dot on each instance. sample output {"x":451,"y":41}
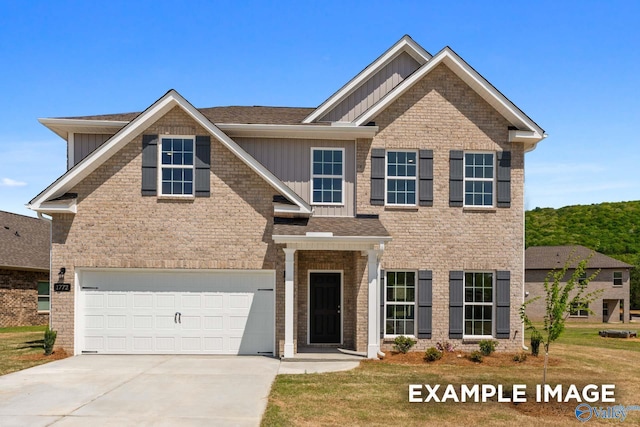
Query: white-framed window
{"x":401,"y":178}
{"x":44,"y":297}
{"x":479,"y":179}
{"x":327,"y":176}
{"x":478,"y":303}
{"x":176,"y":165}
{"x":400,"y":303}
{"x":617,"y":278}
{"x":574,"y":311}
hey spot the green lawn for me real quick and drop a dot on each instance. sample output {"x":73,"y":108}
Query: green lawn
{"x":376,"y":393}
{"x":22,"y":347}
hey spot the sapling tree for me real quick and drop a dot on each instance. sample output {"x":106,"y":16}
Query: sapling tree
{"x":563,"y":296}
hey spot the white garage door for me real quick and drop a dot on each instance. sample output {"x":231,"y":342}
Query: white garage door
{"x":154,"y":312}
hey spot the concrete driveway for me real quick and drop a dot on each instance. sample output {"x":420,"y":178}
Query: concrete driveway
{"x":95,"y":390}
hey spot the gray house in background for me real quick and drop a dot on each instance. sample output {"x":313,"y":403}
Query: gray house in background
{"x":24,"y":270}
{"x":612,"y":304}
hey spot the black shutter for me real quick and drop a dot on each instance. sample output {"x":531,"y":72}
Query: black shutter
{"x":425,"y":168}
{"x":456,"y":178}
{"x":504,"y":179}
{"x":149,"y":165}
{"x":377,"y":176}
{"x":456,"y":295}
{"x":425,"y":297}
{"x":382,"y":299}
{"x":202,"y":166}
{"x":503,"y":300}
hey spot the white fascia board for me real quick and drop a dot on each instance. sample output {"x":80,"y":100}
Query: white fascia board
{"x":472,"y":78}
{"x":170,"y":100}
{"x":288,"y":210}
{"x":64,"y":127}
{"x":298,"y":131}
{"x":59,"y":206}
{"x":330,"y":239}
{"x":405,"y":44}
{"x":530,"y":139}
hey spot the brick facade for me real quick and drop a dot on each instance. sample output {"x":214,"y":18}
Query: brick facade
{"x":19,"y":298}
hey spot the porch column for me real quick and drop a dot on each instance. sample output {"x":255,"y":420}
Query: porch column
{"x":288,"y":301}
{"x":373,"y":306}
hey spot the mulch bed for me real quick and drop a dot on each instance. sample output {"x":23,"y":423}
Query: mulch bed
{"x":57,"y":354}
{"x":459,"y":358}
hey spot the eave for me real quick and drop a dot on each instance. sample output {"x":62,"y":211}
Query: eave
{"x":63,"y":127}
{"x":298,"y":131}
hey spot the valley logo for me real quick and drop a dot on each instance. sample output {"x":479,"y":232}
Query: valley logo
{"x":584,"y":412}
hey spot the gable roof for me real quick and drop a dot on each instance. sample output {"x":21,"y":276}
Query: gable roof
{"x":527,"y":130}
{"x":170,"y":100}
{"x":405,"y":44}
{"x":24,"y":242}
{"x":554,"y":257}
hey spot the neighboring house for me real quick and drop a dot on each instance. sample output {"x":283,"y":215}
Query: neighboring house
{"x":612,"y":304}
{"x":24,"y":270}
{"x":393,"y":208}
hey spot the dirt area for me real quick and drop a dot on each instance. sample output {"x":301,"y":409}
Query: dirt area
{"x":459,"y":358}
{"x":57,"y":354}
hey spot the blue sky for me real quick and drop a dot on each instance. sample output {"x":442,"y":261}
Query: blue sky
{"x":573,"y":66}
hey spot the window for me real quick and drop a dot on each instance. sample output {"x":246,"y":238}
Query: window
{"x":401,"y":178}
{"x":327,"y":172}
{"x":574,"y":310}
{"x":400,"y":303}
{"x":617,"y":278}
{"x":44,"y":297}
{"x":478,"y":179}
{"x":478,"y":304}
{"x":176,"y":166}
{"x":582,"y":278}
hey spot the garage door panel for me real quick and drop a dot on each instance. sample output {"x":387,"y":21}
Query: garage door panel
{"x":171,"y":313}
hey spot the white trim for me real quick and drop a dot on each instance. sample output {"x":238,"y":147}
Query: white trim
{"x":64,"y":127}
{"x":160,"y":166}
{"x":415,"y":302}
{"x":341,"y":176}
{"x":493,"y":180}
{"x":158,"y":109}
{"x":71,"y":150}
{"x":357,"y":240}
{"x":58,"y":206}
{"x":341,"y":308}
{"x":405,"y":44}
{"x":474,"y":80}
{"x":415,"y":178}
{"x":289,"y":302}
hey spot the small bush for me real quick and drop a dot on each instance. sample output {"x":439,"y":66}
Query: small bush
{"x":403,"y":344}
{"x":487,"y":346}
{"x":476,"y":356}
{"x":445,"y":346}
{"x":49,"y":341}
{"x":536,"y":339}
{"x":520,"y":357}
{"x":432,"y":354}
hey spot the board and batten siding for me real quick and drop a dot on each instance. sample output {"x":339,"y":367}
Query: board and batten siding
{"x":370,"y":92}
{"x":85,"y":143}
{"x":290,"y":161}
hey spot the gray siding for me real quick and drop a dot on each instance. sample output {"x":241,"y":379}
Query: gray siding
{"x":290,"y":160}
{"x":85,"y":143}
{"x":373,"y":89}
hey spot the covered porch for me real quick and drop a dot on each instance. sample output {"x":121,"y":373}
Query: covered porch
{"x":331,"y":283}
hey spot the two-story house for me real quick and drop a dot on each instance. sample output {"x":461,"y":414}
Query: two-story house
{"x":393,"y":208}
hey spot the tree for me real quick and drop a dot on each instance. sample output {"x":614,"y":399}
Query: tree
{"x":561,"y":299}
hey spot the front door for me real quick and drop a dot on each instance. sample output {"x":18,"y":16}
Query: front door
{"x":324,"y":308}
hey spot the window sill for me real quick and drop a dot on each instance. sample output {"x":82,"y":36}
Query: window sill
{"x":409,"y":208}
{"x":44,"y":312}
{"x":332,"y":205}
{"x":476,"y":339}
{"x":479,"y":209}
{"x":185,"y":199}
{"x":389,"y":339}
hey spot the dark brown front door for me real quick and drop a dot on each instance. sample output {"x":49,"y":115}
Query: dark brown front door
{"x":324,"y":308}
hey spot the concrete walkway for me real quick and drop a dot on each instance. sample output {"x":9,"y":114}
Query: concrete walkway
{"x":141,"y":390}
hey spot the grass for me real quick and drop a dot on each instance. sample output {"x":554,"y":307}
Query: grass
{"x":376,"y":393}
{"x":23,"y":347}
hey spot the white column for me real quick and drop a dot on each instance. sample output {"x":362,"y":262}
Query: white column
{"x":374,"y":306}
{"x":288,"y":301}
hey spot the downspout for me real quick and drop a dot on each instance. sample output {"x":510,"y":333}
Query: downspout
{"x":50,"y":220}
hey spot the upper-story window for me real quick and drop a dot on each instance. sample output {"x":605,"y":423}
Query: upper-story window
{"x":479,"y":179}
{"x":176,"y":165}
{"x":327,"y":176}
{"x":401,"y":178}
{"x":617,"y":278}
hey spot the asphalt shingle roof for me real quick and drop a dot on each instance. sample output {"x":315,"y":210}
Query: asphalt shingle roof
{"x":364,"y":225}
{"x":550,"y":257}
{"x":24,"y":242}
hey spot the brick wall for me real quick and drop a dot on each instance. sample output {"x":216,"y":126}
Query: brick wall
{"x":19,"y":298}
{"x":441,"y":113}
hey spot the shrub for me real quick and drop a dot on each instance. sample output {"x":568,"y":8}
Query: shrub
{"x":520,"y":357}
{"x":432,"y":354}
{"x":487,"y":346}
{"x":49,"y":341}
{"x":536,"y":339}
{"x":403,"y":344}
{"x":445,"y":346}
{"x":476,"y":356}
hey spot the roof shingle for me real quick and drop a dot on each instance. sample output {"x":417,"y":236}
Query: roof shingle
{"x":554,"y":257}
{"x":24,"y":242}
{"x":362,"y":225}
